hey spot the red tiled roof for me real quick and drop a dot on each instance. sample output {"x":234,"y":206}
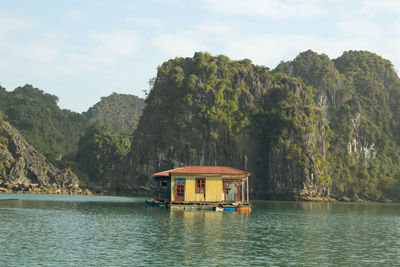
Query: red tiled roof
{"x":202,"y":170}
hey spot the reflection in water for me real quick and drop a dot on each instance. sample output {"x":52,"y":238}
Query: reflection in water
{"x":98,"y":231}
{"x":206,"y":233}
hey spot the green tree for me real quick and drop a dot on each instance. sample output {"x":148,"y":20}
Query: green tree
{"x":100,"y":150}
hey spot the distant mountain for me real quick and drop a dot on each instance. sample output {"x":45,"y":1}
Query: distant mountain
{"x":119,"y":112}
{"x":55,"y":131}
{"x":107,"y":140}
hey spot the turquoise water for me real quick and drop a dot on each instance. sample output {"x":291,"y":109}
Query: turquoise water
{"x":54,"y":230}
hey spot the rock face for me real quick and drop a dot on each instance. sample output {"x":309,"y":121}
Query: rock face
{"x":313,"y":128}
{"x":213,"y":111}
{"x":24,"y":169}
{"x":121,"y":113}
{"x":360,"y":94}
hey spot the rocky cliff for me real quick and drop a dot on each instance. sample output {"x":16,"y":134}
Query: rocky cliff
{"x":213,"y":111}
{"x":313,"y":128}
{"x":24,"y":169}
{"x":360,"y":93}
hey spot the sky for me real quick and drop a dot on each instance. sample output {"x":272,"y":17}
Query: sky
{"x":82,"y":50}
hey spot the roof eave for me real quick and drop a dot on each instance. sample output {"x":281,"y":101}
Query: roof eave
{"x":236,"y":174}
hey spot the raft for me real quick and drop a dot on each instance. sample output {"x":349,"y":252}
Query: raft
{"x":200,"y":206}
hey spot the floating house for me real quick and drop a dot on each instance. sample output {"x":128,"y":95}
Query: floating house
{"x":202,"y":186}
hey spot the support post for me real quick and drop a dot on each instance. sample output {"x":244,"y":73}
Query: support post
{"x":247,"y":187}
{"x":242,"y":190}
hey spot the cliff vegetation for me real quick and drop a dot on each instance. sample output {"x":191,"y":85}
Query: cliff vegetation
{"x":312,"y":128}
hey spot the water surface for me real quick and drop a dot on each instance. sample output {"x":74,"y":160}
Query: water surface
{"x":55,"y":230}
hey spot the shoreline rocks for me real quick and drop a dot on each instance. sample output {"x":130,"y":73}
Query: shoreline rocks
{"x":38,"y":190}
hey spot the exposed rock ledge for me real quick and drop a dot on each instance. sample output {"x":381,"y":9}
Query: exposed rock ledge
{"x":24,"y":169}
{"x":43,"y":190}
{"x":316,"y":198}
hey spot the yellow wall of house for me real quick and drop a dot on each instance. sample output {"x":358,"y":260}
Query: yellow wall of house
{"x":189,"y":192}
{"x":213,"y":188}
{"x":172,"y":189}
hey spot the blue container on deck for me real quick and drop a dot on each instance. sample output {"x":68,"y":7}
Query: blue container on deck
{"x":229,"y":209}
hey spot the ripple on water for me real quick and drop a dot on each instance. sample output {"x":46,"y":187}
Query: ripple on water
{"x":97,"y":231}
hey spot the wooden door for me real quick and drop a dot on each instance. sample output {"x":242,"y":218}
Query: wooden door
{"x":180,"y":192}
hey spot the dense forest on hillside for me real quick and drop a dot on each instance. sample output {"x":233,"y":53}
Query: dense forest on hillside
{"x":37,"y":116}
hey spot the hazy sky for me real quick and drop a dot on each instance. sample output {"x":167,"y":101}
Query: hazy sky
{"x":83,"y":50}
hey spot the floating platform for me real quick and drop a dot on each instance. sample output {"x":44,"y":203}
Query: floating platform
{"x":242,"y":207}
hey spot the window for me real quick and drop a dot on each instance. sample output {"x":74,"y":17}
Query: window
{"x":200,"y":185}
{"x":163,"y":186}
